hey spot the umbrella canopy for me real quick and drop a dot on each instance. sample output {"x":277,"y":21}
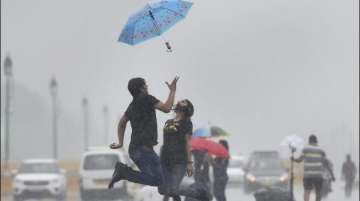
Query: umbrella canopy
{"x":291,"y":142}
{"x":202,"y":132}
{"x":212,"y":131}
{"x":153,"y":20}
{"x":217,"y":131}
{"x":211,"y":147}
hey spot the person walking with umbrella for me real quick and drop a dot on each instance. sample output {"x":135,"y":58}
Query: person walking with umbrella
{"x":176,"y":154}
{"x":202,"y":161}
{"x":203,"y":149}
{"x":348,"y":172}
{"x":220,"y":165}
{"x":314,"y":165}
{"x":142,"y":117}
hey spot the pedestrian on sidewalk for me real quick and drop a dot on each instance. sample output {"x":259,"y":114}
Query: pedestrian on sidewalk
{"x":202,"y":183}
{"x":221,"y":178}
{"x":348,"y":173}
{"x":314,"y":166}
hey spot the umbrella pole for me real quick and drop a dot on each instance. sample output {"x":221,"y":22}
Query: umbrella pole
{"x":158,"y":28}
{"x":168,"y":46}
{"x":292,"y":175}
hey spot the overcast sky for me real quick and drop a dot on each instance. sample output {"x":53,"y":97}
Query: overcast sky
{"x":261,"y":69}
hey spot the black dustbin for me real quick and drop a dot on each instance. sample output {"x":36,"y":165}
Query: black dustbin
{"x":272,"y":194}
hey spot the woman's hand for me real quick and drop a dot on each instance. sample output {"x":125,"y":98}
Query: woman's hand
{"x":189,"y":169}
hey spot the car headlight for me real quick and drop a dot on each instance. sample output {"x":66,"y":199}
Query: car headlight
{"x":284,"y":177}
{"x":251,"y":177}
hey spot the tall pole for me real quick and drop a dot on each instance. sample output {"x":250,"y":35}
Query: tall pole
{"x":106,"y":123}
{"x":292,"y":174}
{"x":53,"y":91}
{"x":85,"y":106}
{"x":8,"y":79}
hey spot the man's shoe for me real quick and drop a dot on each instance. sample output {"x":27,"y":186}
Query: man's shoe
{"x":118,"y":174}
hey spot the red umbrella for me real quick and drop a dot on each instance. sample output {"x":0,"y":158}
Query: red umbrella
{"x":209,"y":146}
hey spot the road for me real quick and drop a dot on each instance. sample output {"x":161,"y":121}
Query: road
{"x":236,"y":194}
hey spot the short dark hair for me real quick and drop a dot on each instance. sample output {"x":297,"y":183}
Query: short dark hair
{"x":135,"y":85}
{"x":313,"y":139}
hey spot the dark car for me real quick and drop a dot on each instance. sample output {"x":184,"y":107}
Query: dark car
{"x":265,"y":169}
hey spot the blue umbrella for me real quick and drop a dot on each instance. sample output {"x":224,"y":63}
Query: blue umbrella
{"x":153,"y":20}
{"x":212,"y":131}
{"x":201,"y":132}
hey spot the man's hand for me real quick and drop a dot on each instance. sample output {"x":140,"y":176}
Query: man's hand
{"x":189,"y":169}
{"x":172,"y":86}
{"x":115,"y":146}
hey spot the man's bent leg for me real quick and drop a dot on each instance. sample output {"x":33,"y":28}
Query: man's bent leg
{"x":149,"y":164}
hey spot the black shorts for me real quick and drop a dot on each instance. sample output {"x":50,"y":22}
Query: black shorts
{"x":310,"y":183}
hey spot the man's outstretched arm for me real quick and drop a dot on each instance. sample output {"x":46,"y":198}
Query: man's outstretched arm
{"x":121,"y":131}
{"x":166,"y":107}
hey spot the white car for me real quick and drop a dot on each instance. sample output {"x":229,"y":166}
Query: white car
{"x":235,"y":169}
{"x":38,"y":178}
{"x":96,"y":169}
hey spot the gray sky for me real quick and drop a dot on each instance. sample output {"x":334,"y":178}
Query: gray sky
{"x":260,"y":69}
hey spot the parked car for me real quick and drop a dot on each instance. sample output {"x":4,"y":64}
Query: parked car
{"x":265,"y":169}
{"x":39,"y":178}
{"x":235,"y":170}
{"x":96,"y":169}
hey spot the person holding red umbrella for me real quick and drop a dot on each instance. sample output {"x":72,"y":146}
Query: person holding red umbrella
{"x":220,"y":165}
{"x":175,"y":154}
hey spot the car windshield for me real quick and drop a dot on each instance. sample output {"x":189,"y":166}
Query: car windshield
{"x":39,"y":168}
{"x":100,"y":162}
{"x":265,"y":164}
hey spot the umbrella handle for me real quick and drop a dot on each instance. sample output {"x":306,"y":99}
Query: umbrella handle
{"x":168,"y":47}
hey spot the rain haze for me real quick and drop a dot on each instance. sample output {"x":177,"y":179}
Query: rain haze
{"x":262,"y":70}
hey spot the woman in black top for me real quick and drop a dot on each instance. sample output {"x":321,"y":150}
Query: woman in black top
{"x":176,"y":154}
{"x":221,"y":178}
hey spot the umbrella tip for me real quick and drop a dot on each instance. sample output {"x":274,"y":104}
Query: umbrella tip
{"x":168,"y":47}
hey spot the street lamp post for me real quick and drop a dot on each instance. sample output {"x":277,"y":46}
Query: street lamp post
{"x":53,"y":92}
{"x":106,"y":122}
{"x":8,"y":79}
{"x":85,"y":105}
